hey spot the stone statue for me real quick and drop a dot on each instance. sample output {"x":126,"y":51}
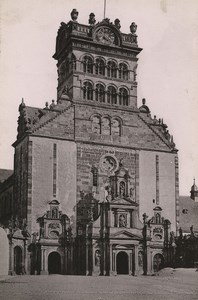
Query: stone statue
{"x":133,"y":28}
{"x":117,"y":24}
{"x":92,"y":19}
{"x":74,"y":15}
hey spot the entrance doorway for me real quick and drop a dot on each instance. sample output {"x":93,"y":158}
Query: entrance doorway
{"x":158,"y":262}
{"x":17,"y":260}
{"x":54,"y":263}
{"x":122,"y":261}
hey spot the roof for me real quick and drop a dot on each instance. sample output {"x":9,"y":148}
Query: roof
{"x":4,"y":174}
{"x":188,"y":214}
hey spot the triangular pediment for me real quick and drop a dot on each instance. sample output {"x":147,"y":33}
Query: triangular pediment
{"x":124,"y":234}
{"x":123,"y":201}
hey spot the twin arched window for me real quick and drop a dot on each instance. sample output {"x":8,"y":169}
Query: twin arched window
{"x":88,"y":91}
{"x":123,"y":97}
{"x":109,"y":96}
{"x":100,"y":67}
{"x":100,"y":93}
{"x":123,"y":71}
{"x":111,"y":69}
{"x":87,"y":64}
{"x":106,"y":125}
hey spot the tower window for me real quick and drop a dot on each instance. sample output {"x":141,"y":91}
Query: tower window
{"x":123,"y":71}
{"x":123,"y":97}
{"x":100,"y":66}
{"x":100,"y":93}
{"x":111,"y":95}
{"x":88,"y":90}
{"x":87,"y":64}
{"x":111,"y":69}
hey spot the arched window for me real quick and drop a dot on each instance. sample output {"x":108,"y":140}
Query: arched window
{"x":100,"y":93}
{"x":111,"y":69}
{"x":87,"y":64}
{"x":96,"y":124}
{"x":123,"y":71}
{"x":115,"y":127}
{"x":73,"y":61}
{"x":123,"y":97}
{"x":95,"y":176}
{"x":111,"y":95}
{"x":105,"y":126}
{"x":100,"y":66}
{"x":87,"y":91}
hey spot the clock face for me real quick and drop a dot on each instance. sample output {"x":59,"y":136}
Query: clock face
{"x":105,"y":36}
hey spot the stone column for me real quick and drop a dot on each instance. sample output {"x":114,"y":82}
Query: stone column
{"x":149,"y":260}
{"x":11,"y":258}
{"x":136,"y":260}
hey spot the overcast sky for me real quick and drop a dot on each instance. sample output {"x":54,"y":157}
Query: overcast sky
{"x":167,"y":71}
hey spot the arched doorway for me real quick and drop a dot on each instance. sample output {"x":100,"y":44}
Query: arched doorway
{"x":54,"y":263}
{"x":18,"y":260}
{"x":158,"y":262}
{"x":122,"y":261}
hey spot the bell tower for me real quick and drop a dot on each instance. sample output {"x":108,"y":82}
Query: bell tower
{"x":97,"y":62}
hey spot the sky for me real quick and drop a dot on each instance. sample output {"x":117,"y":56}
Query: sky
{"x":167,"y":71}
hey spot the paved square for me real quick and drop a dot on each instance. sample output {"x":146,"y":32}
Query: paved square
{"x":169,"y":284}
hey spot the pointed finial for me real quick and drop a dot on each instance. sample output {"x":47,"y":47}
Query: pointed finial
{"x":22,"y":105}
{"x":143,"y":101}
{"x":194,"y":180}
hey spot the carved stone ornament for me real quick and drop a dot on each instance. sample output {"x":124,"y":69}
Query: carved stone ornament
{"x":108,"y":164}
{"x":105,"y":35}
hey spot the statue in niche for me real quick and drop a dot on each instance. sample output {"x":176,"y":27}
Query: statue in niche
{"x":97,"y":258}
{"x":140,"y":258}
{"x":54,"y":213}
{"x":132,"y":193}
{"x":122,"y":221}
{"x":122,"y":189}
{"x":158,"y":217}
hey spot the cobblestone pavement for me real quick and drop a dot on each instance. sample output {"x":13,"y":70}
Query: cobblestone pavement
{"x":177,"y":285}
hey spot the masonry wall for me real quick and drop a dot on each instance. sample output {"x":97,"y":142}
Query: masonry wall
{"x":163,"y":193}
{"x":46,"y":186}
{"x":91,"y":155}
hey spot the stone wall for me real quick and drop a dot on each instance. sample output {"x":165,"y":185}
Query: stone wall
{"x":42,"y":176}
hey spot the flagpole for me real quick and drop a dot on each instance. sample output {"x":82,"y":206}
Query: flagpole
{"x":104,"y":8}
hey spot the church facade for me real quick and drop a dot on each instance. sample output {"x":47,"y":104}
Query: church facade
{"x":95,"y":183}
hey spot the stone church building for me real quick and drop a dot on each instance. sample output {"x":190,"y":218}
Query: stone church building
{"x":94,"y":189}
